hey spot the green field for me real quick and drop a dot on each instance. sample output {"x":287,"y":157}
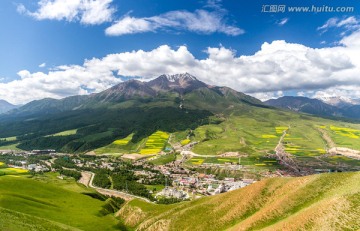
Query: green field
{"x":251,"y":161}
{"x":10,"y":147}
{"x":317,"y":202}
{"x":257,"y":132}
{"x":11,"y":138}
{"x":65,"y":133}
{"x":185,"y":142}
{"x":243,"y":134}
{"x":47,"y":203}
{"x":163,"y":159}
{"x":155,"y":188}
{"x":155,"y":143}
{"x":303,"y":139}
{"x":344,"y":135}
{"x":2,"y":164}
{"x":120,"y":146}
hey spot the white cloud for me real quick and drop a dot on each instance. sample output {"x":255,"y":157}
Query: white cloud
{"x":199,"y":21}
{"x":42,"y":65}
{"x":349,"y":24}
{"x":283,"y":21}
{"x":90,"y":12}
{"x":130,"y":25}
{"x":276,"y":68}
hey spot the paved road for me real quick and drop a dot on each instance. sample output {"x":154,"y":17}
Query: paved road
{"x":108,"y":192}
{"x":284,"y":157}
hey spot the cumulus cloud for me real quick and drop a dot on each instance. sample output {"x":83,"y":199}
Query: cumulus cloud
{"x":199,"y":21}
{"x":89,"y":12}
{"x":277,"y":67}
{"x":42,"y":65}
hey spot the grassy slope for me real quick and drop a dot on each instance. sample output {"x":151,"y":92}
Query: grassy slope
{"x":317,"y":202}
{"x":46,"y":200}
{"x":11,"y":220}
{"x":257,"y":131}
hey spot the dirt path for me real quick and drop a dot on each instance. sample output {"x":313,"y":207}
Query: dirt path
{"x":333,"y":150}
{"x":351,"y":153}
{"x":329,"y":142}
{"x":85,"y":178}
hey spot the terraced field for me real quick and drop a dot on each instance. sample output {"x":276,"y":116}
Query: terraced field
{"x":155,"y":143}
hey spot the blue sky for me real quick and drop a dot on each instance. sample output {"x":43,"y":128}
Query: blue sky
{"x":46,"y":46}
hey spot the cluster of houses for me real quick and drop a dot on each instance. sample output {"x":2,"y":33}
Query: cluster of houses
{"x":170,"y":192}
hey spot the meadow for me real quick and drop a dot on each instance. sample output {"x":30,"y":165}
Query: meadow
{"x":257,"y":133}
{"x":344,"y":135}
{"x":163,"y":159}
{"x":48,"y":203}
{"x":10,"y":147}
{"x":65,"y":133}
{"x":11,"y":138}
{"x":254,"y":162}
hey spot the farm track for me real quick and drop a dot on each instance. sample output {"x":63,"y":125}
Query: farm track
{"x":333,"y":149}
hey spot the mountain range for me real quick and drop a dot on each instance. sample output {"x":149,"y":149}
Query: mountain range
{"x":217,"y":116}
{"x":171,"y":90}
{"x":329,"y":107}
{"x":168,"y":103}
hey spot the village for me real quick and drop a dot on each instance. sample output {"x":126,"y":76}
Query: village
{"x":180,"y":182}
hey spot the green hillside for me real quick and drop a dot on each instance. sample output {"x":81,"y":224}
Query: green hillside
{"x":255,"y":133}
{"x":48,"y":203}
{"x":213,"y":120}
{"x":317,"y":202}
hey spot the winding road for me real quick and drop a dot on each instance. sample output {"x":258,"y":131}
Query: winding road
{"x":87,"y":179}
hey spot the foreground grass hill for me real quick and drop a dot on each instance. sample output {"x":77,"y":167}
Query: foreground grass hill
{"x":48,"y":203}
{"x":317,"y":202}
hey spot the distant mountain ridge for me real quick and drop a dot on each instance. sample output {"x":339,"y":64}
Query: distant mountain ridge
{"x":6,"y":106}
{"x":316,"y":106}
{"x":340,"y":101}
